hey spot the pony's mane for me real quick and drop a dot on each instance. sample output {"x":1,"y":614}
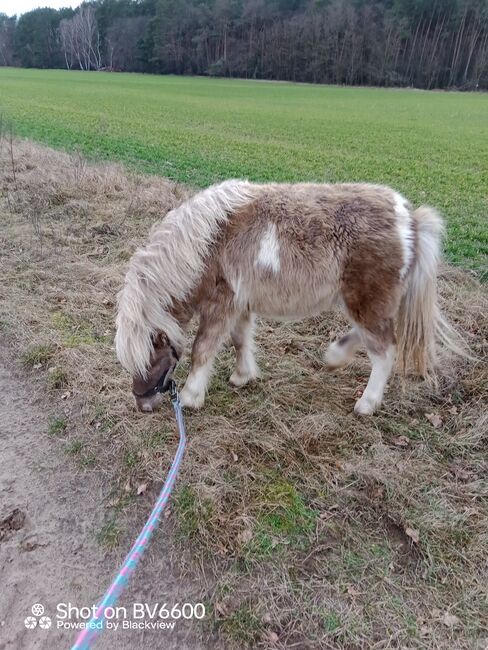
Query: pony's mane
{"x":168,"y":268}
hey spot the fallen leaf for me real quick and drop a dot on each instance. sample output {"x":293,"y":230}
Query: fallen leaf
{"x":379,"y":492}
{"x":434,"y":419}
{"x":401,"y":441}
{"x":425,"y":630}
{"x":141,"y":488}
{"x":325,"y":515}
{"x":272,"y":636}
{"x":413,"y":534}
{"x":221,"y":609}
{"x":459,"y":472}
{"x":451,"y":620}
{"x":352,"y":591}
{"x":245,"y":536}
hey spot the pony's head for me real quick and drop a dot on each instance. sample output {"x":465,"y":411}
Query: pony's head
{"x":148,"y":389}
{"x":149,"y":340}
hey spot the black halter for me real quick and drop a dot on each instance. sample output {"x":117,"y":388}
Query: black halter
{"x":162,"y":385}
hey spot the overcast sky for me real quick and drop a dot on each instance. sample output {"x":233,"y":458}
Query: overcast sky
{"x":12,"y":7}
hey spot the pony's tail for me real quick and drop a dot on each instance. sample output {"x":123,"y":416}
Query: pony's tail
{"x":421,"y":324}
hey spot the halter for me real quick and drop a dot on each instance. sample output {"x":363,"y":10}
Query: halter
{"x":162,"y":385}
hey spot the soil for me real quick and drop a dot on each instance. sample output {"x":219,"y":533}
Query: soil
{"x":49,"y":514}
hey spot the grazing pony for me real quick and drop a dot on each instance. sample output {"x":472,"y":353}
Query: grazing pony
{"x":284,"y":252}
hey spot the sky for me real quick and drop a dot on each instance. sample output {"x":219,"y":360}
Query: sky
{"x":12,"y":7}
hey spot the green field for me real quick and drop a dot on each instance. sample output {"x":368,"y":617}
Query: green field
{"x":431,"y":146}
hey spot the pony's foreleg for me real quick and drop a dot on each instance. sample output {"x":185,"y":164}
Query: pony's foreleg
{"x":217,"y":320}
{"x":243,"y":340}
{"x":381,"y":351}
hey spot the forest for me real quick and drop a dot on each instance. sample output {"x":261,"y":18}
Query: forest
{"x":419,"y":43}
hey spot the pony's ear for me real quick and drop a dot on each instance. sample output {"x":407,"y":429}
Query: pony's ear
{"x":160,"y":340}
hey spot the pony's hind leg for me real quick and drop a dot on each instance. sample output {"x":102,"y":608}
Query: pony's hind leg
{"x":340,"y":352}
{"x":242,"y":338}
{"x":380,"y":346}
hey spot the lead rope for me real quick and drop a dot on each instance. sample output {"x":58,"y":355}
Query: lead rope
{"x":95,"y":626}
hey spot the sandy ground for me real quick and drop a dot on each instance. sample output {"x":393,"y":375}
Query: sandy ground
{"x":48,"y":552}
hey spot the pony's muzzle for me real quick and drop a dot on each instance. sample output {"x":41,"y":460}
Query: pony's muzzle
{"x":149,"y":395}
{"x":149,"y":404}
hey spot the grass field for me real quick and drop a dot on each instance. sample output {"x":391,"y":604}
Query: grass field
{"x":431,"y":146}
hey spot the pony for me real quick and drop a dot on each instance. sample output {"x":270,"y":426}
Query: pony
{"x":238,"y":250}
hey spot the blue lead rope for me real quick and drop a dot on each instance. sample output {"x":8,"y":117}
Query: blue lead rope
{"x":94,"y":627}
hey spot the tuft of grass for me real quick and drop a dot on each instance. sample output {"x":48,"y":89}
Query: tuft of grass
{"x":192,"y":512}
{"x":109,"y":535}
{"x":74,"y":447}
{"x":242,"y":627}
{"x":57,"y":426}
{"x":57,"y":378}
{"x":81,"y":452}
{"x":131,"y":458}
{"x":38,"y":354}
{"x":75,"y":333}
{"x":284,"y":520}
{"x":331,"y":622}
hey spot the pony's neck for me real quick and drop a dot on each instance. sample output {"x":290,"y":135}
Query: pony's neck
{"x":182,"y":311}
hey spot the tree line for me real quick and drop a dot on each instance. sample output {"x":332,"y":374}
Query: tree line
{"x":422,"y":43}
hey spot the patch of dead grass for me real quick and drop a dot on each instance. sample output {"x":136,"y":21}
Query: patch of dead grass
{"x":319,"y":529}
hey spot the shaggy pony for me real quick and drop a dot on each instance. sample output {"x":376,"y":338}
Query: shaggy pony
{"x":286,"y":252}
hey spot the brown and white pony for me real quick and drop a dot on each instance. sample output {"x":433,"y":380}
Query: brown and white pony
{"x":283,"y":252}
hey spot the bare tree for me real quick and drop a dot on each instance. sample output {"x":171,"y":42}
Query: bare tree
{"x":67,"y":38}
{"x":80,"y":39}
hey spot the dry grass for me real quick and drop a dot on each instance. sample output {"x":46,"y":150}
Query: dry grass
{"x":318,"y":530}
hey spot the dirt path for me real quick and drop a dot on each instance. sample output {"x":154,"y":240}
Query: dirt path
{"x":48,"y":552}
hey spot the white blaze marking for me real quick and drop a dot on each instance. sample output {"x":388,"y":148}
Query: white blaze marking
{"x":405,"y":230}
{"x":269,"y":250}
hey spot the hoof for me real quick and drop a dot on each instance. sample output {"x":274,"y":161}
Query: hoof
{"x":365,"y":406}
{"x":191,"y":400}
{"x":336,"y":356}
{"x":237,"y":380}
